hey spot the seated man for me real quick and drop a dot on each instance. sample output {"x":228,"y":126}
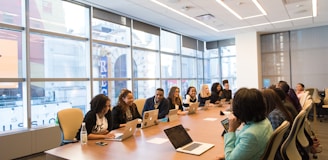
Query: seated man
{"x":157,"y":102}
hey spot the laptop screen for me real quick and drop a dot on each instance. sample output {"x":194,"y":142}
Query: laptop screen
{"x":178,"y":136}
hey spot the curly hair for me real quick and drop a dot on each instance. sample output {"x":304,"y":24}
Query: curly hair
{"x":98,"y":103}
{"x":188,"y":90}
{"x":248,"y":105}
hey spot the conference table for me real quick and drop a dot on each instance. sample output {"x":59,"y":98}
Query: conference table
{"x":152,"y":143}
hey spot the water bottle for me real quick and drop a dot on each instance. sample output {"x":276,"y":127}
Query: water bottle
{"x":84,"y":134}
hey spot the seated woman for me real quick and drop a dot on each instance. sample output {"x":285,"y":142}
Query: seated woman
{"x":125,"y":110}
{"x":175,"y":100}
{"x":249,"y":108}
{"x":204,"y":95}
{"x":299,"y":90}
{"x":227,"y":93}
{"x":276,"y":111}
{"x":98,"y":120}
{"x":216,"y":93}
{"x":190,"y":96}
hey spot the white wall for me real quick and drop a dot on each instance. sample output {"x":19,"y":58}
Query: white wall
{"x":248,"y":60}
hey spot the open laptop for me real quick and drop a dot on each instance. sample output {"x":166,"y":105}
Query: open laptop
{"x":182,"y":142}
{"x":193,"y":108}
{"x":206,"y":105}
{"x":173,"y":115}
{"x":149,"y":118}
{"x":129,"y":130}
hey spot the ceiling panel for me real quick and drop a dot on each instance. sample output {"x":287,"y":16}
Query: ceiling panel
{"x":228,"y":24}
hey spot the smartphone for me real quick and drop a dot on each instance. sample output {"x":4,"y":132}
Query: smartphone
{"x":225,"y":124}
{"x":101,"y":143}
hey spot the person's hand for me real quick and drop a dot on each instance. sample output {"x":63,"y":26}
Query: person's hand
{"x":110,"y":135}
{"x":234,"y":123}
{"x":220,"y":157}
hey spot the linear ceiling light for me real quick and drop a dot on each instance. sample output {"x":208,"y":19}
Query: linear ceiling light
{"x":184,"y":15}
{"x":237,"y":15}
{"x":314,"y":8}
{"x":228,"y":8}
{"x":259,"y":7}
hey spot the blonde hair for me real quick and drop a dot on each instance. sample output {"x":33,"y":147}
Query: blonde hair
{"x":202,"y":92}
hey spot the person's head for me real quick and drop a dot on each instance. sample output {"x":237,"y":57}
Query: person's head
{"x":272,"y":100}
{"x":191,"y":91}
{"x":225,"y":84}
{"x":126,"y":98}
{"x":248,"y":105}
{"x":216,"y":87}
{"x":174,"y":92}
{"x":205,"y":92}
{"x":280,"y":93}
{"x":159,"y":94}
{"x":100,"y":104}
{"x":284,"y":86}
{"x":299,"y":87}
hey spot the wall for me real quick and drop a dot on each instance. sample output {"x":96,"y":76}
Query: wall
{"x":248,"y":60}
{"x":29,"y":142}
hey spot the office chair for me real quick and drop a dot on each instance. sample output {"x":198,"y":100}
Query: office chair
{"x":289,"y":149}
{"x":304,"y":97}
{"x":324,"y":108}
{"x":70,"y":120}
{"x":303,"y":137}
{"x":140,"y":104}
{"x":275,"y":141}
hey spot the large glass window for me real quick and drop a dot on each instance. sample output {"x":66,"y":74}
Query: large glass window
{"x":52,"y":57}
{"x":170,"y":42}
{"x":11,"y":12}
{"x":275,"y":58}
{"x":145,"y":40}
{"x":146,"y":64}
{"x":59,"y":16}
{"x":170,"y":65}
{"x":47,"y":98}
{"x":110,"y":32}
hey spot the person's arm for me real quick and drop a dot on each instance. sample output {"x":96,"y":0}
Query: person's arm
{"x":163,"y":108}
{"x":117,"y":117}
{"x":187,"y":101}
{"x":201,"y":100}
{"x":148,"y":105}
{"x":214,"y":97}
{"x":135,"y":111}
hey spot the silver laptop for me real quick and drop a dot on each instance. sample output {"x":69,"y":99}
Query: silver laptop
{"x":206,"y":105}
{"x":193,"y":107}
{"x":173,"y":115}
{"x":129,"y":130}
{"x":149,"y":118}
{"x":182,"y":142}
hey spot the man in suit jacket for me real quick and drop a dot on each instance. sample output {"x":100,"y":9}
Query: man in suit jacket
{"x":157,"y":102}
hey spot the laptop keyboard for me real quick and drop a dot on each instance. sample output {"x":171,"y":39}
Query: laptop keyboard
{"x":192,"y":146}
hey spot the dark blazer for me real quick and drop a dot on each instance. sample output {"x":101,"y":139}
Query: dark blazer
{"x":227,"y":94}
{"x":163,"y":107}
{"x":120,"y":118}
{"x":90,"y":120}
{"x":215,"y":97}
{"x":202,"y":100}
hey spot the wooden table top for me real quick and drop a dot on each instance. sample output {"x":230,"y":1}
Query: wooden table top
{"x":137,"y":147}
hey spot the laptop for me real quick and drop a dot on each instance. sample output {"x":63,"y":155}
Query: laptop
{"x":149,"y":118}
{"x":182,"y":142}
{"x":193,"y":108}
{"x":129,"y":130}
{"x":173,"y":115}
{"x":206,"y":105}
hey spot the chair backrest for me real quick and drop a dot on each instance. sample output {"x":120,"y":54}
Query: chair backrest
{"x":314,"y":94}
{"x":140,"y":104}
{"x":303,"y":98}
{"x":289,"y":149}
{"x":275,"y":141}
{"x":302,"y":138}
{"x":325,"y":100}
{"x":70,"y":120}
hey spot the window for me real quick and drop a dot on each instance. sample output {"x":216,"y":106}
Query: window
{"x":11,"y":12}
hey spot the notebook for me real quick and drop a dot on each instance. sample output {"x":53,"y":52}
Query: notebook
{"x":193,"y":108}
{"x":129,"y":130}
{"x":182,"y":142}
{"x":149,"y":118}
{"x":173,"y":115}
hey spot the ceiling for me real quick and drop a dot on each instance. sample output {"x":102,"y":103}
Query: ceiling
{"x":281,"y":15}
